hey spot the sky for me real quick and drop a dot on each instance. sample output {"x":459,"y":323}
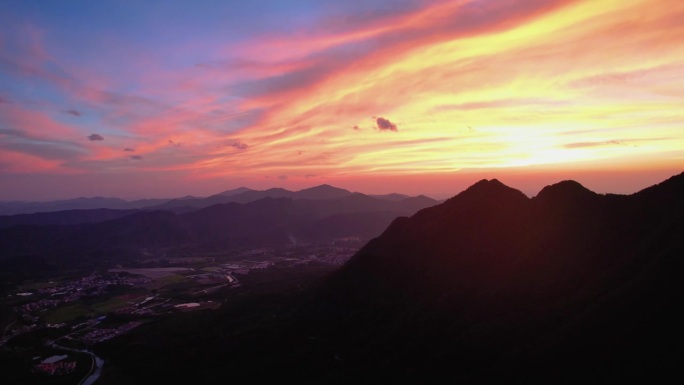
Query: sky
{"x":169,"y":98}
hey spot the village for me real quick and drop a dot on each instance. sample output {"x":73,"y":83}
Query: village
{"x":80,"y":312}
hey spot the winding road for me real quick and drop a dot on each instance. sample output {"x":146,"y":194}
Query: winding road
{"x":95,"y":368}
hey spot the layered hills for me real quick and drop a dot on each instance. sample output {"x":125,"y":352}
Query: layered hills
{"x":489,"y":287}
{"x":247,"y":219}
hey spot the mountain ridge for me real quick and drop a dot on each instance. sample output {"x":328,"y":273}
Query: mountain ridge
{"x":518,"y":269}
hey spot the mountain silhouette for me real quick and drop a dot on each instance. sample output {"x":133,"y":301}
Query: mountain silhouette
{"x":494,"y":287}
{"x":245,"y":195}
{"x":66,"y":217}
{"x":20,"y":207}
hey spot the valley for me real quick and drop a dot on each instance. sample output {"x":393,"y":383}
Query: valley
{"x":79,"y":313}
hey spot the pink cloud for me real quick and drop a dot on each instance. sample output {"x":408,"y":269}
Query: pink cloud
{"x":23,"y":163}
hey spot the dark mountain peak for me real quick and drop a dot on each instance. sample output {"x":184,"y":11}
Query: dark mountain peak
{"x":565,"y":191}
{"x":396,"y":197}
{"x":324,"y":191}
{"x":672,"y":186}
{"x":490,"y":190}
{"x":277,"y":190}
{"x":488,"y":185}
{"x":320,"y":186}
{"x":420,"y":198}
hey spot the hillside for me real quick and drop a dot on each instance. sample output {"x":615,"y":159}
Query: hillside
{"x":566,"y":285}
{"x":490,"y":287}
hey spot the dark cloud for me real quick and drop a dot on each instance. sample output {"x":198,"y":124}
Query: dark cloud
{"x":136,"y":157}
{"x":282,"y":177}
{"x":94,"y":137}
{"x":238,"y":144}
{"x":4,"y":101}
{"x":73,"y":112}
{"x":128,"y":149}
{"x":385,"y":124}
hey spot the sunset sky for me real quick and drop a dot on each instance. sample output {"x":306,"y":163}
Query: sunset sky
{"x":167,"y":98}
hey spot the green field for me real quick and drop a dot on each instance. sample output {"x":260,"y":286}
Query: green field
{"x":115,"y":303}
{"x":66,"y":313}
{"x":168,"y":280}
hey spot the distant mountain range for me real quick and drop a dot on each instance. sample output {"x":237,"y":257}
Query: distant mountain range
{"x":20,"y":207}
{"x":184,"y":204}
{"x":245,"y":195}
{"x":250,"y":218}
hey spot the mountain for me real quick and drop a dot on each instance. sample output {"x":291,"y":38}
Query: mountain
{"x":67,"y":217}
{"x":20,"y":207}
{"x":321,"y":192}
{"x":391,"y":197}
{"x":245,"y":195}
{"x":264,"y":222}
{"x":236,"y":191}
{"x":494,"y":287}
{"x":184,"y":204}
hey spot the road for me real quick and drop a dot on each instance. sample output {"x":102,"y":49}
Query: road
{"x":95,"y":367}
{"x":7,"y":327}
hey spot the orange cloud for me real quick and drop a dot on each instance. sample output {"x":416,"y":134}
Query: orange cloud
{"x":507,"y":93}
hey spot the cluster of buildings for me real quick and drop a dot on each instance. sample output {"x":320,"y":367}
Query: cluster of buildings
{"x":64,"y":293}
{"x":55,"y":365}
{"x":74,"y":290}
{"x":16,"y":331}
{"x":100,"y":335}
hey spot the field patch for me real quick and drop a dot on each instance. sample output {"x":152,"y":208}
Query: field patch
{"x":153,"y":272}
{"x":66,"y":313}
